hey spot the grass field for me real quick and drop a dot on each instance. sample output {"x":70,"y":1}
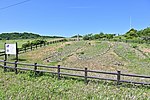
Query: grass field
{"x":98,"y":55}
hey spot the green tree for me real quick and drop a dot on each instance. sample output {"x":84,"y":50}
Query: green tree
{"x":88,"y":37}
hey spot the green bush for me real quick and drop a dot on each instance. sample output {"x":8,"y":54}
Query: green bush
{"x":134,"y":46}
{"x":35,"y":42}
{"x":28,"y":44}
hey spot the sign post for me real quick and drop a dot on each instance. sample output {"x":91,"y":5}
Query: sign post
{"x":11,"y":49}
{"x":16,"y":51}
{"x":5,"y":58}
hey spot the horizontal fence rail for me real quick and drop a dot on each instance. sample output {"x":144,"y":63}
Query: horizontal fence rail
{"x":85,"y":72}
{"x":2,"y":53}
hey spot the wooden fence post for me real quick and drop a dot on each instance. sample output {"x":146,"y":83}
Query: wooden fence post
{"x":85,"y":76}
{"x":16,"y":72}
{"x":58,"y":71}
{"x":118,"y":77}
{"x":35,"y":68}
{"x":5,"y":57}
{"x":25,"y":49}
{"x":5,"y":66}
{"x":31,"y":47}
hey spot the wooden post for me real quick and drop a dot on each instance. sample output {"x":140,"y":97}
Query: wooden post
{"x":85,"y":76}
{"x":17,"y":51}
{"x":31,"y":47}
{"x":36,"y":46}
{"x":58,"y":71}
{"x":35,"y":68}
{"x":118,"y":77}
{"x":5,"y":66}
{"x":25,"y":49}
{"x":5,"y":58}
{"x":16,"y":72}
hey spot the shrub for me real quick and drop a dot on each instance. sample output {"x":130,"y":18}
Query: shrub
{"x":134,"y":46}
{"x":28,"y":44}
{"x":35,"y":42}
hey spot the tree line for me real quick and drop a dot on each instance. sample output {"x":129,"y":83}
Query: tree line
{"x":24,"y":35}
{"x":132,"y":34}
{"x":98,"y":36}
{"x":135,"y":34}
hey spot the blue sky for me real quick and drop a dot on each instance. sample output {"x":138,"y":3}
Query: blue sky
{"x":70,"y":17}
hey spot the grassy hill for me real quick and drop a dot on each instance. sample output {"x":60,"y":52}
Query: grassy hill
{"x":97,"y":55}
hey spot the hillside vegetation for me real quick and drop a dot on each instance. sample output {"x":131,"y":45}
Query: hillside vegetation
{"x":133,"y":33}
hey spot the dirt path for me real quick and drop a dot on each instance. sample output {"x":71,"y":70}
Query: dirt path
{"x":146,"y":50}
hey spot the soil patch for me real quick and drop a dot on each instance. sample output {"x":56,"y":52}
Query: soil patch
{"x":146,"y":50}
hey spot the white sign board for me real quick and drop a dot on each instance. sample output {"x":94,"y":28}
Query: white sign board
{"x":10,"y":48}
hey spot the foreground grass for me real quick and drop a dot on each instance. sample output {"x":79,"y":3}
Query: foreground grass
{"x":25,"y":86}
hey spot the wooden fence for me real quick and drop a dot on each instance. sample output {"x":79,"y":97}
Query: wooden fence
{"x":2,"y":53}
{"x":32,"y":47}
{"x":85,"y":72}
